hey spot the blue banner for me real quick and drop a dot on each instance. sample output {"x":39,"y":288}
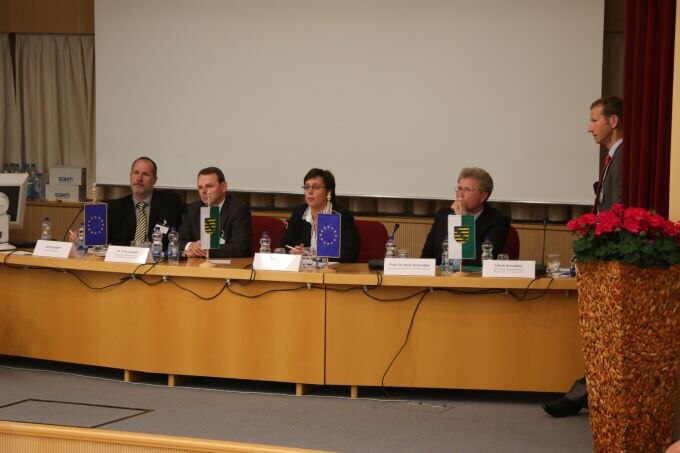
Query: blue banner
{"x":328,"y":235}
{"x":95,"y":224}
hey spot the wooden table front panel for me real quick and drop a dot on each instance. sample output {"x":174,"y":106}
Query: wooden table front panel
{"x":49,"y":314}
{"x":462,"y":341}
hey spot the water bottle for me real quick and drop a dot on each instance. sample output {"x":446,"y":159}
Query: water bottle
{"x":173,"y":246}
{"x":34,"y":183}
{"x":81,"y":248}
{"x":265,"y":242}
{"x":46,"y":229}
{"x":487,"y":249}
{"x":30,"y":183}
{"x":445,"y":264}
{"x":157,"y":244}
{"x":390,"y":248}
{"x":39,"y":186}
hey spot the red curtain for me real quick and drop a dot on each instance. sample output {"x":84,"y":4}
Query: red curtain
{"x":648,"y":98}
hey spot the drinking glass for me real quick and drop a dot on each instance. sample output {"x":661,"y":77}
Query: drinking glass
{"x":553,"y":264}
{"x":280,"y":250}
{"x":307,"y":260}
{"x":502,"y":256}
{"x":402,"y":253}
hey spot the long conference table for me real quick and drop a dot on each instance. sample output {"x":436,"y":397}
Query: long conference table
{"x":343,"y":326}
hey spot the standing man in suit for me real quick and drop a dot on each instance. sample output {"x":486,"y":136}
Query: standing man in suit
{"x":234,"y":219}
{"x":606,"y":127}
{"x":474,"y":189}
{"x":133,"y":217}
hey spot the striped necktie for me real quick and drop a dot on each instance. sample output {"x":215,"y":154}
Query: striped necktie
{"x":142,"y":223}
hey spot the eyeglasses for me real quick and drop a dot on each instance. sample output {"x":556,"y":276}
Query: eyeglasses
{"x":465,"y":190}
{"x":140,"y":173}
{"x":313,"y":187}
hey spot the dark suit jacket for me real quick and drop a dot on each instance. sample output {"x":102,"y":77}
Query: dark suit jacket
{"x":611,"y":186}
{"x":299,"y":231}
{"x":166,"y":207}
{"x":235,"y":227}
{"x":491,"y":223}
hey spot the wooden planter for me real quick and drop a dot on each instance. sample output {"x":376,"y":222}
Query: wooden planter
{"x":630,"y":330}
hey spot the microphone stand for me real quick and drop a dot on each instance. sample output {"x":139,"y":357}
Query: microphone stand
{"x":207,"y":262}
{"x":327,"y":210}
{"x":68,"y":228}
{"x":207,"y":251}
{"x":329,"y":204}
{"x":461,"y":208}
{"x":97,"y":248}
{"x":82,"y":208}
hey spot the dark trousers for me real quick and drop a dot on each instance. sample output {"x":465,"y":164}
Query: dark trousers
{"x":578,"y":393}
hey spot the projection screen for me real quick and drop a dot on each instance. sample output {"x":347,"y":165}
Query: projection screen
{"x":393,"y":96}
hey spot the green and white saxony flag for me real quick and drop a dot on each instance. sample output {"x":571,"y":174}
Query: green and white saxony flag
{"x":461,"y":236}
{"x":210,"y":227}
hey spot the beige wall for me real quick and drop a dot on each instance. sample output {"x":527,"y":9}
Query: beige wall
{"x":77,"y":16}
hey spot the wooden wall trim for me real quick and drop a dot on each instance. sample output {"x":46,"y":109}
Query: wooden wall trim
{"x":614,"y":16}
{"x":536,"y":240}
{"x":31,"y":437}
{"x":47,"y":16}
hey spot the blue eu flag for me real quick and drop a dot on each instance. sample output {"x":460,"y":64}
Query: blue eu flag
{"x":95,"y":224}
{"x":328,"y":235}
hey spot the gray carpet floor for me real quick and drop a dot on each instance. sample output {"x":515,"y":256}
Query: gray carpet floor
{"x":406,"y":420}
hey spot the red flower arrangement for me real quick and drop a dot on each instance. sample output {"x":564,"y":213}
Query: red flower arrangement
{"x":630,"y":235}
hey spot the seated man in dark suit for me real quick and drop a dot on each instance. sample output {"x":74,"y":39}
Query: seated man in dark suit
{"x":474,"y":188}
{"x":133,"y":217}
{"x":234,"y":219}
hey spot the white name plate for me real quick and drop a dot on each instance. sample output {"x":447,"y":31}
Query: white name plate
{"x":124,"y":254}
{"x":509,"y":268}
{"x":410,"y":266}
{"x":276,"y":262}
{"x":54,"y":249}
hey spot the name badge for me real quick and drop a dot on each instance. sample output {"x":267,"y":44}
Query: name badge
{"x":54,"y":249}
{"x":410,"y":266}
{"x":509,"y":268}
{"x":276,"y":262}
{"x":133,"y":255}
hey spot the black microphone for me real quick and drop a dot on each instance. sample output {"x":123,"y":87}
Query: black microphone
{"x":396,"y":227}
{"x":378,"y":265}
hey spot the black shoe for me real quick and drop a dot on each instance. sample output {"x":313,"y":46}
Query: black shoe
{"x":562,"y":407}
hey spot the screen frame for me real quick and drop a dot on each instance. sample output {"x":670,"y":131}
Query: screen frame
{"x":16,"y":197}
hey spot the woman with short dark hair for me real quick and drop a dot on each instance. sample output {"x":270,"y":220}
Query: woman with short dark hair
{"x":319,"y":191}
